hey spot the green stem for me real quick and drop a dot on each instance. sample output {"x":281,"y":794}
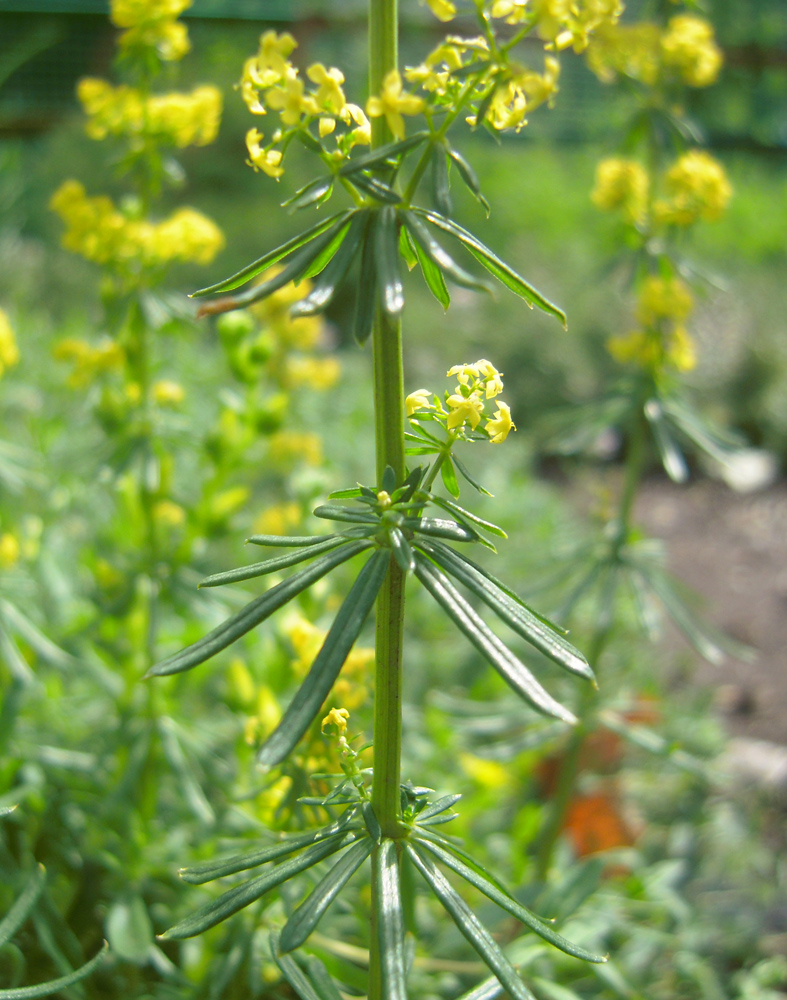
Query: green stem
{"x":389,"y":439}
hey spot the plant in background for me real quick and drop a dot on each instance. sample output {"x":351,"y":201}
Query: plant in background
{"x":390,"y":522}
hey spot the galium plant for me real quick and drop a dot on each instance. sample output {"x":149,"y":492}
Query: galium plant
{"x":391,"y":521}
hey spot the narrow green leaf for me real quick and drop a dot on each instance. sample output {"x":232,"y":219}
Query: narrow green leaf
{"x":473,"y":482}
{"x":306,"y":917}
{"x":325,"y":287}
{"x":467,"y":515}
{"x":20,"y":624}
{"x":376,"y":188}
{"x":671,"y":456}
{"x":390,"y":921}
{"x":406,"y":248}
{"x":56,"y":985}
{"x":714,"y":442}
{"x":293,"y":973}
{"x":507,"y":275}
{"x":470,"y":926}
{"x":438,"y":527}
{"x":438,"y":806}
{"x":335,"y":512}
{"x":371,"y":821}
{"x":401,"y":550}
{"x":379,"y":156}
{"x":329,"y":661}
{"x":254,"y":613}
{"x":389,"y":479}
{"x":490,"y":989}
{"x":264,"y":262}
{"x":468,"y":175}
{"x":514,"y":614}
{"x":486,"y":642}
{"x":367,"y":295}
{"x":288,"y":541}
{"x":697,"y":632}
{"x":17,"y":665}
{"x":441,"y":192}
{"x":321,"y":979}
{"x":207,"y":871}
{"x":190,"y":787}
{"x":21,"y":909}
{"x":326,"y":253}
{"x":386,"y":253}
{"x":223,"y":906}
{"x":504,"y":899}
{"x":433,"y":276}
{"x":316,"y":192}
{"x":349,"y":494}
{"x":272,"y":565}
{"x":448,"y":474}
{"x":435,"y":252}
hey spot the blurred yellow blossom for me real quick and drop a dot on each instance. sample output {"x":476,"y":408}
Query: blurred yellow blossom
{"x":152,"y":24}
{"x":513,"y":11}
{"x":9,"y":550}
{"x":443,"y":10}
{"x":489,"y":774}
{"x":567,"y":23}
{"x":697,"y":189}
{"x":499,"y":427}
{"x":317,"y":373}
{"x":89,"y":360}
{"x":650,"y":349}
{"x":9,"y":352}
{"x":284,"y":446}
{"x":186,"y":235}
{"x":663,"y":298}
{"x":168,"y":393}
{"x":393,"y":103}
{"x":278,"y":520}
{"x":306,"y":640}
{"x":624,"y":185}
{"x":689,"y":46}
{"x":169,"y":514}
{"x":632,"y":50}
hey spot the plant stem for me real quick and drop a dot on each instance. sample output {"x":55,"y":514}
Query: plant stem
{"x":389,"y":439}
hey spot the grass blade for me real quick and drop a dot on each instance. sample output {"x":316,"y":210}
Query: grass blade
{"x":254,"y":613}
{"x":328,"y":662}
{"x":310,"y":912}
{"x":272,"y":565}
{"x":390,"y":921}
{"x":486,"y":642}
{"x":223,"y":906}
{"x":470,"y":926}
{"x":21,"y":909}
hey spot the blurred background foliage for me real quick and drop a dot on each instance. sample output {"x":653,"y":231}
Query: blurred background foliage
{"x":689,"y":894}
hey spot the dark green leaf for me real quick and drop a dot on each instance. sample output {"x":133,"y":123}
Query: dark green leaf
{"x":441,"y":192}
{"x":434,"y":251}
{"x":354,"y":515}
{"x":468,"y":175}
{"x":315,"y":192}
{"x":379,"y":191}
{"x":237,"y":898}
{"x":207,"y":871}
{"x":481,"y":881}
{"x":288,"y":541}
{"x":401,"y":550}
{"x":437,"y":807}
{"x":468,"y":515}
{"x":671,"y":455}
{"x":438,"y":527}
{"x":349,"y":494}
{"x":255,"y":612}
{"x":406,"y":248}
{"x":433,"y":276}
{"x":304,"y":136}
{"x":293,"y":973}
{"x":386,"y":253}
{"x":272,"y":565}
{"x":366,"y":301}
{"x":21,"y":909}
{"x":389,"y":479}
{"x":467,"y":922}
{"x":390,"y":921}
{"x":519,"y":618}
{"x":391,"y":151}
{"x":372,"y":823}
{"x":486,"y":642}
{"x":333,"y":275}
{"x":494,"y":265}
{"x":325,"y":669}
{"x":56,"y":985}
{"x":473,"y":482}
{"x":448,"y":474}
{"x":306,"y":917}
{"x":326,"y":253}
{"x":264,"y":262}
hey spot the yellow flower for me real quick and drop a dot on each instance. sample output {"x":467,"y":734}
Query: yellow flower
{"x":285,"y":446}
{"x":567,"y":23}
{"x":361,"y":135}
{"x":9,"y":550}
{"x":330,"y":96}
{"x":152,"y":24}
{"x":418,"y":400}
{"x":326,"y":126}
{"x":226,"y":503}
{"x":681,"y":352}
{"x":9,"y":352}
{"x":278,"y":520}
{"x":688,"y":45}
{"x":168,"y":393}
{"x":698,"y":188}
{"x":272,"y":64}
{"x":465,"y":374}
{"x":289,"y":99}
{"x":464,"y":410}
{"x":508,"y":108}
{"x":169,"y":514}
{"x":267,"y":160}
{"x":443,"y":10}
{"x":492,"y":379}
{"x":512,"y":10}
{"x":185,"y":119}
{"x":186,"y":235}
{"x":663,"y":298}
{"x":540,"y":87}
{"x":501,"y":424}
{"x":622,"y":184}
{"x":317,"y":373}
{"x":336,"y":717}
{"x":632,"y":50}
{"x":393,"y":104}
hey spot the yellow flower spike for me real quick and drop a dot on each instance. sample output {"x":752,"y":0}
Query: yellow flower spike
{"x":186,"y":235}
{"x":392,"y":103}
{"x":9,"y":550}
{"x":465,"y":411}
{"x":698,"y":188}
{"x":632,"y":50}
{"x":443,"y":10}
{"x":489,"y":774}
{"x":267,"y":160}
{"x":688,"y":45}
{"x":290,"y":100}
{"x":636,"y":347}
{"x":418,"y":400}
{"x":540,"y":87}
{"x":663,"y":298}
{"x":330,"y":96}
{"x":336,"y":717}
{"x":168,"y":393}
{"x":501,"y":424}
{"x":288,"y":446}
{"x":624,"y":185}
{"x":9,"y":352}
{"x":681,"y":352}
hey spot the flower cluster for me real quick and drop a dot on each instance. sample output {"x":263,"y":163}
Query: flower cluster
{"x":567,"y":23}
{"x":697,"y":189}
{"x":622,"y":185}
{"x":9,"y":352}
{"x":151,"y":25}
{"x":664,"y":304}
{"x":99,"y":231}
{"x":685,"y":49}
{"x":89,"y":360}
{"x":466,"y":406}
{"x":173,"y":119}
